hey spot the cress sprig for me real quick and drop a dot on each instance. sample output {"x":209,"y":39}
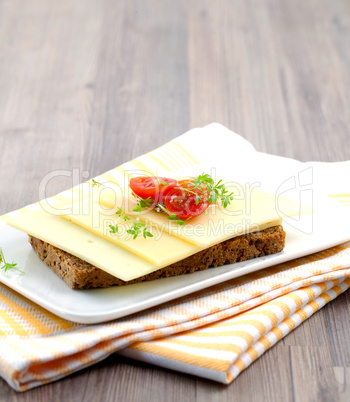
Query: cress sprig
{"x":171,"y":216}
{"x":8,"y":265}
{"x":121,"y":214}
{"x":114,"y":228}
{"x":136,"y":229}
{"x":96,"y":183}
{"x":177,"y":220}
{"x":143,"y":203}
{"x":216,"y":191}
{"x":139,"y":228}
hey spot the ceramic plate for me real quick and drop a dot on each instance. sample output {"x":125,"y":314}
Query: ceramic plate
{"x":322,"y":229}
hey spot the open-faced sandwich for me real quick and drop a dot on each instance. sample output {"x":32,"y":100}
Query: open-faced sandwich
{"x":156,"y":227}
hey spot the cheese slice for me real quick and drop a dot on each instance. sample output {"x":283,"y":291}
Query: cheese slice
{"x":162,"y":249}
{"x":218,"y":224}
{"x":82,"y":243}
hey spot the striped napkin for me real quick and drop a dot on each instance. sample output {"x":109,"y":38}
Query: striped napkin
{"x":215,"y":333}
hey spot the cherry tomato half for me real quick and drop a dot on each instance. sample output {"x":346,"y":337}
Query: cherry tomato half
{"x":181,"y":200}
{"x":152,"y":187}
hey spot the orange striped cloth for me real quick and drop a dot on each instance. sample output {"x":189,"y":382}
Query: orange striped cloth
{"x":215,"y":333}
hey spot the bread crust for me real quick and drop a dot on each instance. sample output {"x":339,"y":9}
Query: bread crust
{"x":79,"y":274}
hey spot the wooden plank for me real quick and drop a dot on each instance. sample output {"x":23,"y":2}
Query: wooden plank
{"x":312,"y":374}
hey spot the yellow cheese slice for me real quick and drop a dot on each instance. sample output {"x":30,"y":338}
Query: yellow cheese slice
{"x":217,"y":224}
{"x":82,"y":243}
{"x":162,"y":249}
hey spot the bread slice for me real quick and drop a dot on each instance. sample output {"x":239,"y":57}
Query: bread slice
{"x":79,"y":274}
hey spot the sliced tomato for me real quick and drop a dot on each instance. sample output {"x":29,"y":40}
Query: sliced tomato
{"x":155,"y":188}
{"x":185,"y":201}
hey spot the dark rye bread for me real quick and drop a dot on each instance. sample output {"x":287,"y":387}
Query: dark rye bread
{"x":79,"y":274}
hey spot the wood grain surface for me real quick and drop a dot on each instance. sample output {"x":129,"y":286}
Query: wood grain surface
{"x":91,"y":84}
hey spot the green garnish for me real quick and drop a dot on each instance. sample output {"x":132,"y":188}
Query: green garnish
{"x":173,"y":217}
{"x":96,"y":183}
{"x":216,"y":191}
{"x":8,"y":265}
{"x":136,"y":229}
{"x":114,"y":229}
{"x":178,"y":220}
{"x":139,"y":228}
{"x":121,"y":214}
{"x":143,"y":203}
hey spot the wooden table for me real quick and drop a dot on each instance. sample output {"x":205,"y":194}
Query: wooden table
{"x":91,"y":84}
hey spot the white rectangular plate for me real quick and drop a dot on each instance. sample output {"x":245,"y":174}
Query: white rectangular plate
{"x":326,"y":228}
